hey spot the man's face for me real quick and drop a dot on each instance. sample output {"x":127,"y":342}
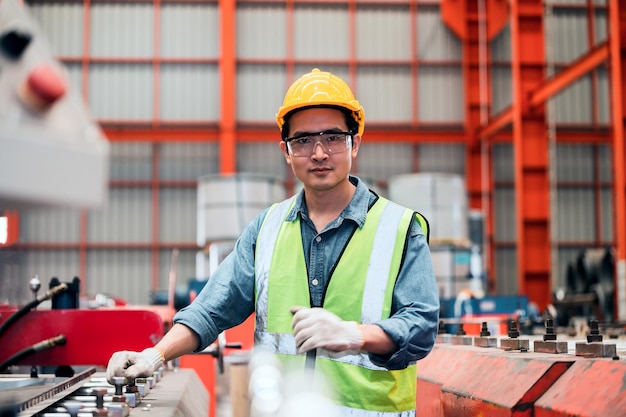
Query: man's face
{"x":320,"y":170}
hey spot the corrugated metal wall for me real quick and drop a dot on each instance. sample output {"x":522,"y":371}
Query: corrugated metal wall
{"x":408,"y":70}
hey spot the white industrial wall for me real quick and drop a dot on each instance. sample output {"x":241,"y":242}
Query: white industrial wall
{"x":123,"y":91}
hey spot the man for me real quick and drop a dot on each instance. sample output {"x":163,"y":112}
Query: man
{"x":335,"y":273}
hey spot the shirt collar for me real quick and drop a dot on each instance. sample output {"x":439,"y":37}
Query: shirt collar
{"x":355,"y":211}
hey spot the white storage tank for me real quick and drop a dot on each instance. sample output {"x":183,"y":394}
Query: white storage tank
{"x":227,"y":203}
{"x":442,"y":198}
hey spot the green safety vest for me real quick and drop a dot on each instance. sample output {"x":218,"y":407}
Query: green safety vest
{"x":357,"y":292}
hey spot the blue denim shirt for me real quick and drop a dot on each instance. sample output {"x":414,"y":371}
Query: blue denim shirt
{"x":228,"y":297}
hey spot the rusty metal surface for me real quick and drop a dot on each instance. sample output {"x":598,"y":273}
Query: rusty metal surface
{"x":590,"y":388}
{"x":434,"y":370}
{"x":462,"y":380}
{"x":477,"y":381}
{"x":459,"y":380}
{"x":501,"y":383}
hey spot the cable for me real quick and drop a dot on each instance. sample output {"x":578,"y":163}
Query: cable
{"x":44,"y":344}
{"x":25,"y":309}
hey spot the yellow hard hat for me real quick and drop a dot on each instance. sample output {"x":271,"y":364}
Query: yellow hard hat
{"x":320,"y":88}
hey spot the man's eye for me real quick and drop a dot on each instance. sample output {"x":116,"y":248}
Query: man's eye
{"x":333,"y":138}
{"x":301,"y":141}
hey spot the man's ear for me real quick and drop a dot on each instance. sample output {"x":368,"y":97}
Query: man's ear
{"x":356,"y":144}
{"x":283,"y":147}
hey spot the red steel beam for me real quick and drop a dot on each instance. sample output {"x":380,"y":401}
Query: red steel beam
{"x":150,"y":134}
{"x":400,"y":134}
{"x":104,"y":245}
{"x":572,"y":73}
{"x":498,"y":123}
{"x":549,"y":88}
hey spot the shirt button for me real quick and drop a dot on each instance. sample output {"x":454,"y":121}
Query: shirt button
{"x":315,"y":282}
{"x":318,"y":239}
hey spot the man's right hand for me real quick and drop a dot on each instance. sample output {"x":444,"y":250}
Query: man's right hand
{"x":134,"y":364}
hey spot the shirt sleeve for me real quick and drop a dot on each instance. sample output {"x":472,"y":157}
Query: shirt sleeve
{"x":415,"y":306}
{"x":227,"y":298}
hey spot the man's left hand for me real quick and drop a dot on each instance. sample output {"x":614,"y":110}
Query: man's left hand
{"x":318,"y":328}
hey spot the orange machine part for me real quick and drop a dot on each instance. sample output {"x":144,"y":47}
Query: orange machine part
{"x":244,"y":334}
{"x":204,"y":365}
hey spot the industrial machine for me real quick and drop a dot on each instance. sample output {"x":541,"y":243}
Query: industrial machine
{"x":52,"y":360}
{"x":52,"y":349}
{"x":166,"y":393}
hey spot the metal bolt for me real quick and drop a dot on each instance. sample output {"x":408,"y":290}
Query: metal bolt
{"x":484,"y":331}
{"x":119,"y":382}
{"x":594,"y":332}
{"x":513,"y":331}
{"x":550,"y":334}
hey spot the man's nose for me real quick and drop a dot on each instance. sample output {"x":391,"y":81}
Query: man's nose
{"x":321,"y":153}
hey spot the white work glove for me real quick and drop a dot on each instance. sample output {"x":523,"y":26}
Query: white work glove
{"x":318,"y":328}
{"x":134,"y":364}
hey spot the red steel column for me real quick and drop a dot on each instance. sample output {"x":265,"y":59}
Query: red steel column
{"x":617,"y":45}
{"x":476,"y":22}
{"x":84,"y":214}
{"x":228,"y":71}
{"x":476,"y":59}
{"x":530,"y":147}
{"x":155,"y":255}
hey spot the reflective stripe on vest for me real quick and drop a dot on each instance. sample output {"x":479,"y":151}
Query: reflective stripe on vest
{"x":357,"y":291}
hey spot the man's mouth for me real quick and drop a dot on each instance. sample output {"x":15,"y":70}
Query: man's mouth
{"x":320,"y":169}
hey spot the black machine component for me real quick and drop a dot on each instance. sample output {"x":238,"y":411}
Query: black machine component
{"x":590,"y":288}
{"x":68,"y":299}
{"x":54,"y":291}
{"x":45,"y":344}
